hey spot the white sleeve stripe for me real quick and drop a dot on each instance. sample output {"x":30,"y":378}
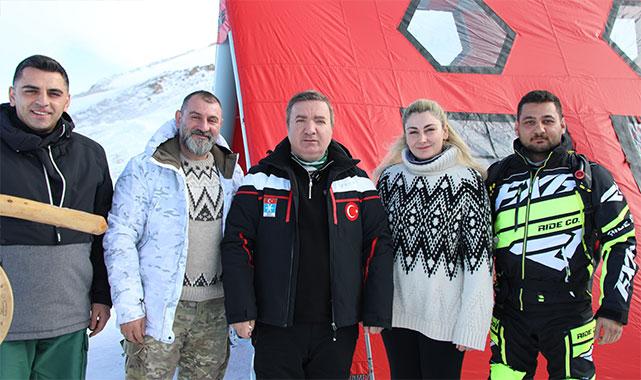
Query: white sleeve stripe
{"x":612,"y":194}
{"x":260,"y":181}
{"x":353,"y":183}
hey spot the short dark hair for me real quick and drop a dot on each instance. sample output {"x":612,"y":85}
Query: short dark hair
{"x":539,"y":96}
{"x":307,"y":96}
{"x":43,"y":63}
{"x":204,"y":95}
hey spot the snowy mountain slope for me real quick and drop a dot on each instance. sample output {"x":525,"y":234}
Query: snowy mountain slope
{"x":140,"y":99}
{"x":121,"y":113}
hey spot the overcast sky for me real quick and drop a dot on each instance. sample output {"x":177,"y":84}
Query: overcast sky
{"x":94,"y":39}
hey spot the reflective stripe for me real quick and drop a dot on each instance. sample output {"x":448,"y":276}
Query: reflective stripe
{"x":260,"y":181}
{"x":568,"y":356}
{"x":353,"y":183}
{"x":369,"y":259}
{"x":583,"y":334}
{"x":493,"y":334}
{"x":582,"y":348}
{"x":331,"y":193}
{"x":249,"y":255}
{"x":567,"y":213}
{"x":498,"y":337}
{"x":289,"y":206}
{"x":503,"y":348}
{"x":578,"y":343}
{"x":569,"y":204}
{"x":606,"y":256}
{"x":500,"y":371}
{"x":613,"y":194}
{"x":620,"y":218}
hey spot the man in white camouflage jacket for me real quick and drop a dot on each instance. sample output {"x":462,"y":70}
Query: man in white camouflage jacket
{"x":162,"y":248}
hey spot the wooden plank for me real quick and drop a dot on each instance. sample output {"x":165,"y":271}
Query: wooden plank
{"x":22,"y":208}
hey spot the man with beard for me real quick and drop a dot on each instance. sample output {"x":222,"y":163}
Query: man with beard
{"x":556,"y":215}
{"x":162,"y":248}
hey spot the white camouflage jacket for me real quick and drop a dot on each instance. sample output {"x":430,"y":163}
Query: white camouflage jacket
{"x":146,"y":243}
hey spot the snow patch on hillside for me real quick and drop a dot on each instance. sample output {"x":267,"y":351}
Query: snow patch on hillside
{"x":122,"y":112}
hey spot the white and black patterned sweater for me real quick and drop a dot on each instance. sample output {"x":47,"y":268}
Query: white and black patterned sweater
{"x":439,"y":216}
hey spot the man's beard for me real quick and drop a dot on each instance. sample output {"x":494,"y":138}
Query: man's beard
{"x":540,"y":149}
{"x":197,"y":147}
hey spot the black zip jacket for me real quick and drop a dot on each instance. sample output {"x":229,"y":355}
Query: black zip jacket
{"x":25,"y":157}
{"x":551,"y":237}
{"x":260,"y":247}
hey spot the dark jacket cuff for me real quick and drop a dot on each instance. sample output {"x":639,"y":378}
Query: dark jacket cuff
{"x":101,"y":297}
{"x":615,"y":315}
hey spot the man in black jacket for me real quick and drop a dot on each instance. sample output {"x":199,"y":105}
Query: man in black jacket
{"x":555,"y":215}
{"x":58,"y":275}
{"x":306,"y":252}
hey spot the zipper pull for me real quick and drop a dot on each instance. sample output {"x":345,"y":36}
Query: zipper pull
{"x":310,"y":187}
{"x":334,"y":328}
{"x":58,"y":235}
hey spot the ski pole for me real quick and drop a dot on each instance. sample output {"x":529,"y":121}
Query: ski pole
{"x":370,"y":361}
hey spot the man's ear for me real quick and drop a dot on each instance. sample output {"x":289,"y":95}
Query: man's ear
{"x":68,"y":102}
{"x":12,"y":96}
{"x":177,"y":118}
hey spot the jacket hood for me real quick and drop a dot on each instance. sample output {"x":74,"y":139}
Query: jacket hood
{"x":21,"y":138}
{"x":168,"y":131}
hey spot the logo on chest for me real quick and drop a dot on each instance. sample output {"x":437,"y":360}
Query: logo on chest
{"x":269,"y":207}
{"x":351,"y":211}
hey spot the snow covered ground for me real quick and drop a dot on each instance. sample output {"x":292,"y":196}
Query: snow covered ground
{"x":121,"y":113}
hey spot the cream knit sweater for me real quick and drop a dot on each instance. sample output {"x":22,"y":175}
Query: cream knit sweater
{"x":439,"y":216}
{"x":203,"y":272}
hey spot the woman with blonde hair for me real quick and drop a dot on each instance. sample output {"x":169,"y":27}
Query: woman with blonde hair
{"x":439,"y":214}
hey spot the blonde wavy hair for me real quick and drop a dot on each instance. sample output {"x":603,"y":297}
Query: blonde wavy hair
{"x":394,"y":154}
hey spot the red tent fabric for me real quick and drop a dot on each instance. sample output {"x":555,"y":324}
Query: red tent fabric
{"x":360,"y":366}
{"x":353,"y":51}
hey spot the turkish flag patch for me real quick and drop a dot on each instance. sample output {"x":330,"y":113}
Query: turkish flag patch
{"x":351,"y":211}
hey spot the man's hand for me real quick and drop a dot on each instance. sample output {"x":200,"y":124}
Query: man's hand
{"x":611,"y":330}
{"x":372,"y":329}
{"x":134,"y":331}
{"x":244,"y":329}
{"x":99,"y":316}
{"x":463,"y":348}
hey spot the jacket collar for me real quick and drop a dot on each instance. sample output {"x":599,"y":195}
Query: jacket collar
{"x":556,"y":157}
{"x":340,"y":157}
{"x":164,"y":147}
{"x":21,"y":138}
